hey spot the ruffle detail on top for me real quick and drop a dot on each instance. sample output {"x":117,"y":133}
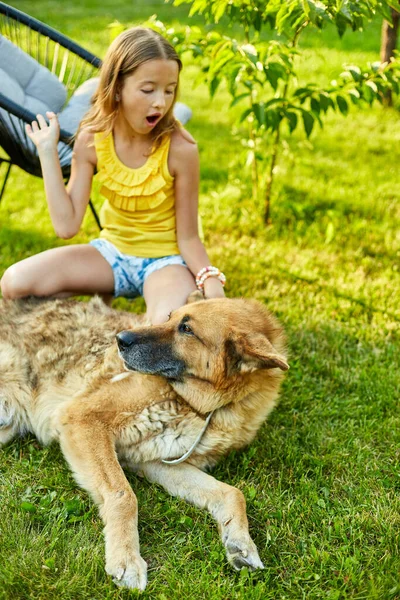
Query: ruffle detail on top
{"x":127,"y":188}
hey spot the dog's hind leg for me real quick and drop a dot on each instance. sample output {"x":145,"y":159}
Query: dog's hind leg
{"x":88,"y":446}
{"x":15,"y":393}
{"x":6,"y":422}
{"x":226,"y":504}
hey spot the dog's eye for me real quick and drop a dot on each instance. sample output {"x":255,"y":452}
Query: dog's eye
{"x":184,"y":328}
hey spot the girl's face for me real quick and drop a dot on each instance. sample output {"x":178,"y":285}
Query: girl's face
{"x":148,"y":94}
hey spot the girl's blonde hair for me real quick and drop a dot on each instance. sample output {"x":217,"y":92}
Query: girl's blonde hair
{"x":127,"y":52}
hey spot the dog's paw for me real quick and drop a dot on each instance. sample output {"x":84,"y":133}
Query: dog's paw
{"x":131,"y":573}
{"x":195,"y":296}
{"x":242,"y":552}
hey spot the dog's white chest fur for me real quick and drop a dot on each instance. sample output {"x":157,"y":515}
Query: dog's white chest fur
{"x":159,"y":432}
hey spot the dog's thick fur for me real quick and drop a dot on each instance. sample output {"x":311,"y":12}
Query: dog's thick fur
{"x":62,"y":377}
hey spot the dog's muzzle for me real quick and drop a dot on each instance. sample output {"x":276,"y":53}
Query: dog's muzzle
{"x":146,"y":354}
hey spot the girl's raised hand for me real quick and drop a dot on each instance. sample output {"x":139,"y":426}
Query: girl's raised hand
{"x":44,"y":136}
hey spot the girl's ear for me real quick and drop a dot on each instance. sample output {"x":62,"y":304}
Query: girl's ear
{"x":118,"y":89}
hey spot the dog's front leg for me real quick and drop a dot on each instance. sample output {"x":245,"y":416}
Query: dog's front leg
{"x":226,"y":504}
{"x":88,"y":446}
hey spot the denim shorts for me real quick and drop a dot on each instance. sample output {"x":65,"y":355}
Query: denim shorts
{"x":130,"y":272}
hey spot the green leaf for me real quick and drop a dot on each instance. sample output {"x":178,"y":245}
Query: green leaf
{"x":376,"y":66}
{"x":355,"y":72}
{"x":272,"y":119}
{"x":304,"y":91}
{"x":292,"y":119}
{"x":341,"y":24}
{"x":367,"y":93}
{"x":259,"y":112}
{"x":308,"y":122}
{"x":219,"y":63}
{"x":275,"y":71}
{"x":317,"y":12}
{"x":238,"y":99}
{"x":28,"y":507}
{"x":213,"y":86}
{"x":354,"y":95}
{"x":306,"y":8}
{"x":288,"y":13}
{"x":252,"y":493}
{"x":372,"y":85}
{"x":250,"y":52}
{"x":219,"y":47}
{"x":315,"y":106}
{"x":73,"y":507}
{"x":342,"y":104}
{"x":233,"y":79}
{"x":50,"y":563}
{"x":245,"y":114}
{"x":325,"y":101}
{"x":220,"y":9}
{"x":329,"y":235}
{"x":257,"y":21}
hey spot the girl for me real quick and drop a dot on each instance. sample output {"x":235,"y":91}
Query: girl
{"x":148,"y":166}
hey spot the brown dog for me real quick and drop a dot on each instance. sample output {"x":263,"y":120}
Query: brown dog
{"x":62,"y":378}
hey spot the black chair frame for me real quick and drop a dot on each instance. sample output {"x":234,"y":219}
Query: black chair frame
{"x":62,"y":56}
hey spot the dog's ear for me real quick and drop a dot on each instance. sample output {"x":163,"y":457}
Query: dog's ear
{"x":249,"y":352}
{"x":194,"y":297}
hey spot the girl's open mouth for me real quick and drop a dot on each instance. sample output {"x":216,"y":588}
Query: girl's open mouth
{"x":152,"y":120}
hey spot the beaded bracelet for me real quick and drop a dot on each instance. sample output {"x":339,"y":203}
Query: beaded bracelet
{"x":207,"y":272}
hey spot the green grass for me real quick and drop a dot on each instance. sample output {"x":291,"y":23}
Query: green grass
{"x":322,"y":479}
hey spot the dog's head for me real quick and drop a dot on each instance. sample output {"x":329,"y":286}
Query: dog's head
{"x":212,"y":351}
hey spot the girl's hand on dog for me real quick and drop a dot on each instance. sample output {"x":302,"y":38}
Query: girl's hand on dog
{"x":213,"y":288}
{"x":44,"y":136}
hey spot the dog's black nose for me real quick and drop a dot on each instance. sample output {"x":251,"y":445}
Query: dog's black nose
{"x":125,"y":339}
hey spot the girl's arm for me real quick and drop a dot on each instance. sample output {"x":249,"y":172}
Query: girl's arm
{"x":66,"y":205}
{"x":184,"y":166}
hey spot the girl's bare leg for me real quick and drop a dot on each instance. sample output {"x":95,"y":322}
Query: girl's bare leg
{"x":165,"y":290}
{"x":59,"y":273}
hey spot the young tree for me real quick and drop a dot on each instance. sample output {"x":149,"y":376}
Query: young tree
{"x":389,"y":43}
{"x":260,"y":74}
{"x":389,"y":36}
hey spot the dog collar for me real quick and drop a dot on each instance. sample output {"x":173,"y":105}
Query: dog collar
{"x":176,"y":461}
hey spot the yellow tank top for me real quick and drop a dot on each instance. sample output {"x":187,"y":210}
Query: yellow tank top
{"x":138,"y":215}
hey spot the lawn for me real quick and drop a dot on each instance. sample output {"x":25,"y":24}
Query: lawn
{"x":322,"y":480}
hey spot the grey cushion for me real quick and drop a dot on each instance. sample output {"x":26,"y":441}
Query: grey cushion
{"x":182,"y":112}
{"x":70,"y":117}
{"x":79,"y":104}
{"x":26,"y":82}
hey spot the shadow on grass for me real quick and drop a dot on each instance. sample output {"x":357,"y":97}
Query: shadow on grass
{"x":297,"y":204}
{"x":337,"y":421}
